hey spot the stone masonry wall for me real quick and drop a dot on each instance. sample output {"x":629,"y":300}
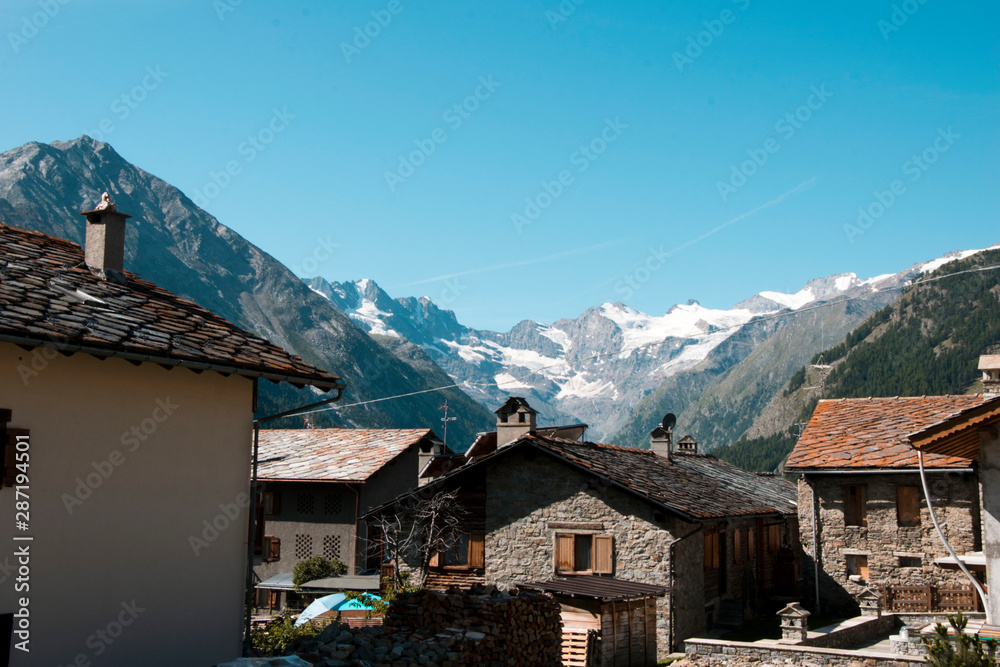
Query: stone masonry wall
{"x":531,"y":499}
{"x":883,"y":541}
{"x":725,"y":652}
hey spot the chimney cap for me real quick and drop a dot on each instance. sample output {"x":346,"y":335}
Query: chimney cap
{"x":515,"y":404}
{"x":106,"y":206}
{"x":989,"y":362}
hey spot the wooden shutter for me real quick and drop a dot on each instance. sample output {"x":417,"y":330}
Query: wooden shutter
{"x":602,"y":554}
{"x":435,"y":559}
{"x":907,"y":506}
{"x":737,"y":543}
{"x":712,"y":550}
{"x":750,"y":552}
{"x":565,"y":556}
{"x":863,"y":567}
{"x":477,"y":550}
{"x":855,"y":505}
{"x":272,"y":548}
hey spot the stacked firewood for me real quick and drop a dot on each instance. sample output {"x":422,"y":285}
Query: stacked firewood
{"x":517,"y":628}
{"x":480,"y":626}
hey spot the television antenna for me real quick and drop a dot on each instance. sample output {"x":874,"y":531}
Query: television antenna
{"x":444,"y":406}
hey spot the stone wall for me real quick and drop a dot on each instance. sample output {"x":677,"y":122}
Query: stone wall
{"x":855,"y":635}
{"x":728,"y":652}
{"x":532,"y":498}
{"x":883,"y":542}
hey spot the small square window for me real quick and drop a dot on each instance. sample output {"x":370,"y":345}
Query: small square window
{"x":857,"y":567}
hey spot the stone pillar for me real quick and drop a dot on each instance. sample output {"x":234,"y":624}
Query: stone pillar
{"x":989,"y":475}
{"x":794,"y":623}
{"x":870,"y":601}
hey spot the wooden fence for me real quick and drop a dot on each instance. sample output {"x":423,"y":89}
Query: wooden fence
{"x":904,"y":599}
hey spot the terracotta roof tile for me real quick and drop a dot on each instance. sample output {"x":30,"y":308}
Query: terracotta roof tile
{"x":332,"y":454}
{"x":48,"y":296}
{"x":872,"y":432}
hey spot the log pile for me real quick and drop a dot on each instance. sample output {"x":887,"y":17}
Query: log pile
{"x":480,"y":626}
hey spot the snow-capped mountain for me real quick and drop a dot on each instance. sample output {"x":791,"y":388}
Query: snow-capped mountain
{"x":596,"y":367}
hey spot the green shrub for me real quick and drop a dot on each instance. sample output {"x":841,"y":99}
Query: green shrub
{"x":316,"y":567}
{"x":279,"y":634}
{"x":965,"y":652}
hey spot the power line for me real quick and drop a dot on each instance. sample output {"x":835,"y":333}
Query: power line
{"x":668,"y":339}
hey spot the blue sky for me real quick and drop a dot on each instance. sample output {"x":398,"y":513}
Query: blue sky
{"x":645,"y":152}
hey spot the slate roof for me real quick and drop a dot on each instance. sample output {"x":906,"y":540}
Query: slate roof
{"x":766,"y":488}
{"x":871,"y":433}
{"x":332,"y":454}
{"x":694,"y":489}
{"x":48,"y":297}
{"x":704,"y":489}
{"x":486,"y":443}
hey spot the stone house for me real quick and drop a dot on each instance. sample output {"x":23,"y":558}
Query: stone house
{"x":125,"y":419}
{"x":314,"y":484}
{"x":862,"y":514}
{"x":974,"y":433}
{"x":541,"y":507}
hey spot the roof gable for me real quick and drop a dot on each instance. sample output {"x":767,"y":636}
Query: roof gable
{"x":870,"y":433}
{"x":48,"y":297}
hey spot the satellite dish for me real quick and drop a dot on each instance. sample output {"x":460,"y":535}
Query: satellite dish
{"x":668,"y":421}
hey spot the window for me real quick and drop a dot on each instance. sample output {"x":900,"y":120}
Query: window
{"x":711,"y":550}
{"x":303,"y":546}
{"x":272,"y":548}
{"x":910,"y":561}
{"x":857,"y":567}
{"x":467,"y":553}
{"x":855,"y":513}
{"x":458,"y":554}
{"x":332,"y":504}
{"x":907,"y":506}
{"x":331,"y":546}
{"x":305,"y":503}
{"x":272,"y":503}
{"x":583,"y":553}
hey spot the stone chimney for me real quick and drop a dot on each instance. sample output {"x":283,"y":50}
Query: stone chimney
{"x":427,"y":451}
{"x":687,"y":445}
{"x":661,"y":437}
{"x":105,"y":245}
{"x":989,"y":364}
{"x":515,"y":419}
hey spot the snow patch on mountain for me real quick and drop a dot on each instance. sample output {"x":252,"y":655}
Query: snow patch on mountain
{"x":682,"y":321}
{"x":935,"y":264}
{"x":593,"y":368}
{"x":579,"y":387}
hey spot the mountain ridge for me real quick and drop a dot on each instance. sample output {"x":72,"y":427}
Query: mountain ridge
{"x":554,"y":366}
{"x":181,"y":247}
